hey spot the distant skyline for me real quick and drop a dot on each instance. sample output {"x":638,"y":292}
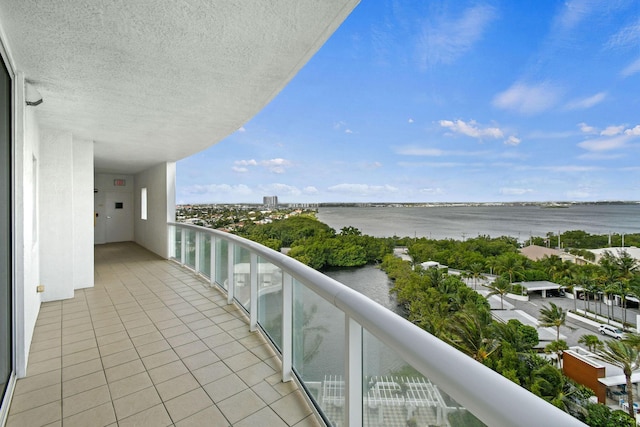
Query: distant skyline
{"x":446,"y":101}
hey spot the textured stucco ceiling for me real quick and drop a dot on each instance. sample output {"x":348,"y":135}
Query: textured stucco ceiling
{"x":156,"y":80}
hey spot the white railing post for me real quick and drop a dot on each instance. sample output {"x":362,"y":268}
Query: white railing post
{"x":353,"y":374}
{"x":231,"y":280}
{"x":253,"y":293}
{"x":196,"y":263}
{"x":172,"y":241}
{"x":183,"y":246}
{"x":287,"y":329}
{"x":212,"y":261}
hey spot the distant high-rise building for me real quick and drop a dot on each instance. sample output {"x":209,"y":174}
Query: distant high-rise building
{"x":270,"y":200}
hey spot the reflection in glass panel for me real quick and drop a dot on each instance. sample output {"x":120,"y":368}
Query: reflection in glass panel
{"x":178,"y":244}
{"x":222,"y":263}
{"x":241,"y":276}
{"x":397,"y":395}
{"x":318,"y":351}
{"x":190,"y":253}
{"x":205,"y":254}
{"x":270,"y":300}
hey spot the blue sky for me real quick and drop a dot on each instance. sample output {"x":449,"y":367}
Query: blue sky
{"x":446,"y":101}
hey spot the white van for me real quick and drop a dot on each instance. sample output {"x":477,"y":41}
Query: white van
{"x":612,"y":331}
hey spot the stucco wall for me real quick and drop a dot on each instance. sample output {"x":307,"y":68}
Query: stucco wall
{"x":159,"y":181}
{"x":26,"y":225}
{"x":66,"y":220}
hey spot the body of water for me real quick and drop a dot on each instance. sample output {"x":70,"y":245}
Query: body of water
{"x":459,"y":222}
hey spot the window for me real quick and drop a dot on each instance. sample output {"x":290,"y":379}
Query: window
{"x":143,"y":203}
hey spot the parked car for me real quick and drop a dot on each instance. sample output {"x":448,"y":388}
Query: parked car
{"x":612,"y":331}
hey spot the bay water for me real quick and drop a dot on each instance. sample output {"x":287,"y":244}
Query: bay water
{"x":460,"y":222}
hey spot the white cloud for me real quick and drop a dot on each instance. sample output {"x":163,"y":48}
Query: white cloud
{"x":362,"y":189}
{"x":419,"y":151}
{"x":527,"y":99}
{"x":627,"y":36}
{"x":471,"y":129}
{"x":633,"y":131}
{"x":432,"y":191}
{"x":604,"y":144}
{"x":631,"y":69}
{"x":251,"y":162}
{"x":578,"y":194}
{"x":217,"y":189}
{"x":280,"y":189}
{"x":574,"y":12}
{"x":273,"y":165}
{"x":276,"y":165}
{"x":241,"y":129}
{"x":410,"y":120}
{"x":510,"y":191}
{"x":310,"y":190}
{"x":370,"y":165}
{"x":612,"y":130}
{"x":449,"y":38}
{"x":512,"y":140}
{"x":585,"y":128}
{"x":584,"y":103}
{"x":348,"y":131}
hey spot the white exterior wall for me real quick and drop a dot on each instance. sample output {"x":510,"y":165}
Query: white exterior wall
{"x":66,"y":246}
{"x":82,"y":213}
{"x":104,"y":184}
{"x":26,"y":221}
{"x":160,"y":182}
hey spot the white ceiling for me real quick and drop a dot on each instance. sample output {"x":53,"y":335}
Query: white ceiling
{"x":156,"y":80}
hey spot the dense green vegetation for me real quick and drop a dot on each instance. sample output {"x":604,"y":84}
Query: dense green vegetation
{"x":446,"y":307}
{"x":319,"y":246}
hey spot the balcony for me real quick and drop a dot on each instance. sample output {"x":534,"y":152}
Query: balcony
{"x":150,"y":344}
{"x":236,"y":334}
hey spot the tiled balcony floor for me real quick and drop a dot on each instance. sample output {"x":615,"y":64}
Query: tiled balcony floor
{"x":151,"y":345}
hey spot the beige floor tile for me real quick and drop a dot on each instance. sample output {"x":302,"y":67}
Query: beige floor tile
{"x":130,"y":385}
{"x":159,"y":359}
{"x":119,"y":358}
{"x":79,"y":346}
{"x":54,"y":363}
{"x":266,"y":392}
{"x":80,"y":356}
{"x":176,"y":330}
{"x":241,"y":361}
{"x":191,"y":348}
{"x":225,"y":387}
{"x":240,"y":405}
{"x":179,"y":340}
{"x":200,"y":360}
{"x":111,"y":338}
{"x":291,"y":408}
{"x":156,"y":416}
{"x":39,"y":416}
{"x":136,"y":402}
{"x":210,"y":416}
{"x":80,"y":336}
{"x":36,"y":382}
{"x":256,"y":373}
{"x":264,"y":417}
{"x":310,"y":421}
{"x":115,"y":347}
{"x":99,"y":416}
{"x":124,"y":370}
{"x":81,"y":369}
{"x":36,"y":398}
{"x":188,"y":404}
{"x":83,"y":383}
{"x":81,"y":402}
{"x":177,"y":386}
{"x":152,"y":348}
{"x":168,"y":371}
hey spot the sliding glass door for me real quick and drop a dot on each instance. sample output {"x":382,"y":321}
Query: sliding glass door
{"x":6,"y":287}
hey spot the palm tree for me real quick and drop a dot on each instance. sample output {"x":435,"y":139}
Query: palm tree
{"x":626,"y":357}
{"x":475,"y":273}
{"x":552,"y":315}
{"x":511,"y":264}
{"x":499,"y":287}
{"x":469,"y":333}
{"x":591,"y":341}
{"x":557,"y":347}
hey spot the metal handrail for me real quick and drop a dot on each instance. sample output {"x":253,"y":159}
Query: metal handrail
{"x":492,"y":398}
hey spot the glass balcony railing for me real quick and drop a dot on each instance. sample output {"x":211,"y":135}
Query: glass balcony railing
{"x":359,"y":363}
